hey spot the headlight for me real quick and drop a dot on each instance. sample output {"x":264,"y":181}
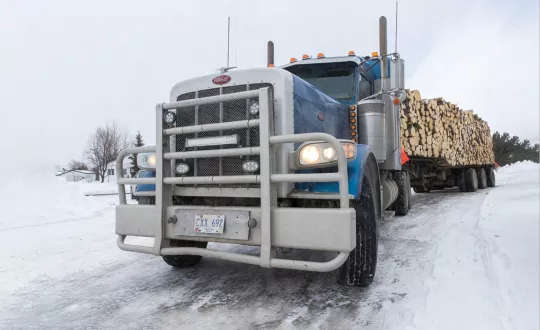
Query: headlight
{"x":146,"y":160}
{"x":310,"y":153}
{"x":254,"y":108}
{"x":169,"y":117}
{"x":182,"y":168}
{"x":250,"y":166}
{"x":329,"y":153}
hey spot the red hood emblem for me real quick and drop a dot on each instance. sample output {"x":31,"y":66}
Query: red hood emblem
{"x":221,"y":80}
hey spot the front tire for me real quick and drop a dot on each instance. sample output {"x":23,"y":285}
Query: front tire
{"x":184,"y":261}
{"x":359,"y":269}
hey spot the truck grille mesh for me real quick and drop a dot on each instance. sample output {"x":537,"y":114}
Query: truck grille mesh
{"x":219,"y":113}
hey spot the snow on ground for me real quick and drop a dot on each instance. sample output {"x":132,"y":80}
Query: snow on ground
{"x":39,"y":197}
{"x":486,"y":271}
{"x":457,"y":261}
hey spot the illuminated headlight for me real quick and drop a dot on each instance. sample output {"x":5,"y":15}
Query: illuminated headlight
{"x":254,"y":108}
{"x":329,"y":153}
{"x":250,"y":166}
{"x":169,"y":117}
{"x":182,"y":168}
{"x":310,"y":153}
{"x":146,"y":160}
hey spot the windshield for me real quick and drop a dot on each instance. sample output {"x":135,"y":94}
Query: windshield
{"x":334,"y":79}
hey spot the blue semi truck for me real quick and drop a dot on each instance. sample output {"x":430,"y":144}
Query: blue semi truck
{"x":306,"y":155}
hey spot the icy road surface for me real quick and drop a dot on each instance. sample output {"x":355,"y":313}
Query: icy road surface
{"x":457,"y":261}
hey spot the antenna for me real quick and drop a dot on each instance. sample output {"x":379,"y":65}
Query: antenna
{"x":229,"y":38}
{"x":227,"y":68}
{"x":395,"y":51}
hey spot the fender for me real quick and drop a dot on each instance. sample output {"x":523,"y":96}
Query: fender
{"x":355,"y":172}
{"x":147,"y":187}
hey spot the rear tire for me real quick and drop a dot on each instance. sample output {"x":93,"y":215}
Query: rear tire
{"x":409,"y":190}
{"x":461,"y":181}
{"x":490,"y":177}
{"x":184,"y":261}
{"x":401,"y":204}
{"x":359,"y":269}
{"x":471,"y":180}
{"x":482,"y":178}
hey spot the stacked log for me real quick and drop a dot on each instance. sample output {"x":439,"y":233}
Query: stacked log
{"x":439,"y":129}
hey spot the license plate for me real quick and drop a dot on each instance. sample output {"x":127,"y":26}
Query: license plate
{"x":209,"y":223}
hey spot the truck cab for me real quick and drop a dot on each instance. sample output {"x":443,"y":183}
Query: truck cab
{"x":302,"y":156}
{"x":347,"y":79}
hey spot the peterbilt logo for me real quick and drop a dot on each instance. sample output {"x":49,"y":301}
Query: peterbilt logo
{"x":221,"y":80}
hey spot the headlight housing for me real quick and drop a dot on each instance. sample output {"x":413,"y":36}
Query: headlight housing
{"x":146,"y":160}
{"x":321,"y":154}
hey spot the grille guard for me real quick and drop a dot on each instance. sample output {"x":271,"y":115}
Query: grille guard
{"x":165,"y":179}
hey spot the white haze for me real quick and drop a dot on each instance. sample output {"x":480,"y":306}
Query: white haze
{"x":69,"y":66}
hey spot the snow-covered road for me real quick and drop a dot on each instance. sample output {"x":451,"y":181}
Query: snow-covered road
{"x":457,"y":261}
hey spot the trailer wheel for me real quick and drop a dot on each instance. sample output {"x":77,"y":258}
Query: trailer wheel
{"x":482,"y":178}
{"x":184,"y":261}
{"x":401,"y":204}
{"x":461,"y":181}
{"x":409,"y":190}
{"x":359,"y":268}
{"x":490,"y":177}
{"x":471,"y":180}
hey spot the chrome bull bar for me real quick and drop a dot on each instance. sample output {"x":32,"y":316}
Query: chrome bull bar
{"x":165,"y":179}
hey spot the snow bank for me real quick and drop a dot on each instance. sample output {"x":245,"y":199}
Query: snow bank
{"x":37,"y":196}
{"x":525,"y":166}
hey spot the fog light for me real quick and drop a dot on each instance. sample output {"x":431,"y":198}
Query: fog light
{"x":250,"y":166}
{"x":254,"y":108}
{"x":169,"y":117}
{"x":182,"y":168}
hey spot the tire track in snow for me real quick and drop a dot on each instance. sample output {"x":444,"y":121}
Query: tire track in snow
{"x":141,"y":291}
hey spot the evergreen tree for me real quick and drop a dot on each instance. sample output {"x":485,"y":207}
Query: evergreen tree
{"x":138,"y":142}
{"x":509,"y":150}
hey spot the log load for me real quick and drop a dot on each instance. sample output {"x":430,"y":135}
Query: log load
{"x":439,"y":129}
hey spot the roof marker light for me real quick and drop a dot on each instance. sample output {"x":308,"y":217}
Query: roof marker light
{"x":351,"y":53}
{"x":293,"y":59}
{"x":320,"y":55}
{"x":306,"y":57}
{"x":375,"y":54}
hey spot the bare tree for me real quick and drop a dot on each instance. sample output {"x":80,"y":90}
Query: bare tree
{"x":104,"y":146}
{"x":77,"y":165}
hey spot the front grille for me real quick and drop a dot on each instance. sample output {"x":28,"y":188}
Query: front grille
{"x":219,"y":113}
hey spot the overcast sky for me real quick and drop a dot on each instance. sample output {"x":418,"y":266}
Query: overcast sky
{"x":69,"y":66}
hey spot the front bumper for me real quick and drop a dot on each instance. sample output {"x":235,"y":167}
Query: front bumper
{"x":301,"y":228}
